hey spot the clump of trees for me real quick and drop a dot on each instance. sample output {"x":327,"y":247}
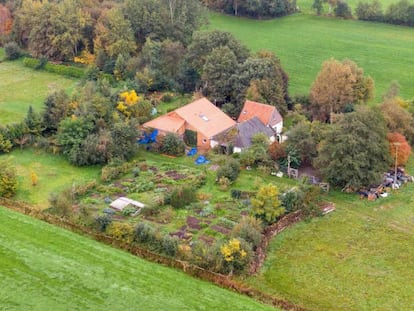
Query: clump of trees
{"x":338,"y":87}
{"x":354,"y":152}
{"x":254,"y":9}
{"x":398,"y":13}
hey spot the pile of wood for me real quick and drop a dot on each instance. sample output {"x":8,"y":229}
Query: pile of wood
{"x":390,"y":181}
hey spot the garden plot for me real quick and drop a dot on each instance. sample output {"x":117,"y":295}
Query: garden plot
{"x":203,"y":217}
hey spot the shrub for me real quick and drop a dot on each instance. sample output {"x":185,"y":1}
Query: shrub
{"x":224,"y":183}
{"x":61,"y":203}
{"x":12,"y":50}
{"x":102,"y":222}
{"x":121,"y":231}
{"x":230,"y":170}
{"x":8,"y":179}
{"x":343,"y":10}
{"x":69,"y":71}
{"x":236,"y":255}
{"x":182,"y":196}
{"x":144,"y":233}
{"x":169,"y":245}
{"x":249,"y":229}
{"x":172,"y":145}
{"x":277,"y":151}
{"x":167,"y":98}
{"x":235,"y":193}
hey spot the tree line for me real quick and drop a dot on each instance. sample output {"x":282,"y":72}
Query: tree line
{"x":399,"y":13}
{"x":253,"y":9}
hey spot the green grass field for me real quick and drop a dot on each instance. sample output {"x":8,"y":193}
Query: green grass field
{"x":303,"y":42}
{"x":356,"y":258}
{"x":47,"y":268}
{"x":21,"y":87}
{"x":53,"y":171}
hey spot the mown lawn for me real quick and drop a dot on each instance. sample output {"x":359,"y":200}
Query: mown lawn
{"x":356,"y":258}
{"x":53,"y":171}
{"x":21,"y":87}
{"x":47,"y":268}
{"x":303,"y":42}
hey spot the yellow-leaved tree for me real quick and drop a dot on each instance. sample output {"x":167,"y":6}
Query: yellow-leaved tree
{"x":236,"y":255}
{"x":266,"y":204}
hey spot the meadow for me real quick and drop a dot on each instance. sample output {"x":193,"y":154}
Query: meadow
{"x":21,"y":87}
{"x":303,"y":42}
{"x":356,"y":258}
{"x":53,"y":172}
{"x":47,"y":268}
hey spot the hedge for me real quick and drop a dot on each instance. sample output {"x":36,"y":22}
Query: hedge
{"x":65,"y":70}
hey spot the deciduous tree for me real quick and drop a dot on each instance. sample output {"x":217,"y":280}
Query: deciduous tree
{"x":337,"y":85}
{"x":266,"y":204}
{"x":399,"y":147}
{"x":354,"y":152}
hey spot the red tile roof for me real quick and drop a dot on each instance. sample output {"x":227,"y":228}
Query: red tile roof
{"x":269,"y":115}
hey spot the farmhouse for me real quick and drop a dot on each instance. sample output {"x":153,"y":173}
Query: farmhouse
{"x":246,"y":130}
{"x":200,"y":117}
{"x":269,"y":115}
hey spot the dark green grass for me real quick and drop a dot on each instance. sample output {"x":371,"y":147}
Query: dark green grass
{"x":47,"y":268}
{"x":303,"y":42}
{"x":21,"y":87}
{"x":356,"y":258}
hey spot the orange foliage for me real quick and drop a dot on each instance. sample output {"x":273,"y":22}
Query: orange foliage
{"x":6,"y":20}
{"x":399,"y":143}
{"x":277,"y":151}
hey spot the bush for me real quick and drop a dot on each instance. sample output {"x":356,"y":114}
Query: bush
{"x":8,"y":179}
{"x":144,"y":233}
{"x":169,"y":245}
{"x":69,"y":71}
{"x":293,"y":200}
{"x":61,"y":203}
{"x":121,"y":231}
{"x":343,"y":10}
{"x":182,"y":196}
{"x":172,"y":145}
{"x":102,"y":222}
{"x":167,"y":98}
{"x":12,"y":50}
{"x":248,"y":229}
{"x":224,"y":183}
{"x":235,"y":193}
{"x":230,"y":170}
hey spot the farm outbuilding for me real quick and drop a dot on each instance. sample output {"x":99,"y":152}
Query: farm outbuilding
{"x":122,"y":202}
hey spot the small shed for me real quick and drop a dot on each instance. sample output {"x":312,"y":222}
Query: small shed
{"x":122,"y":202}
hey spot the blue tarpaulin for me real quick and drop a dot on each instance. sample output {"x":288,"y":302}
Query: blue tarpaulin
{"x":149,"y":138}
{"x":201,"y":160}
{"x":192,"y":152}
